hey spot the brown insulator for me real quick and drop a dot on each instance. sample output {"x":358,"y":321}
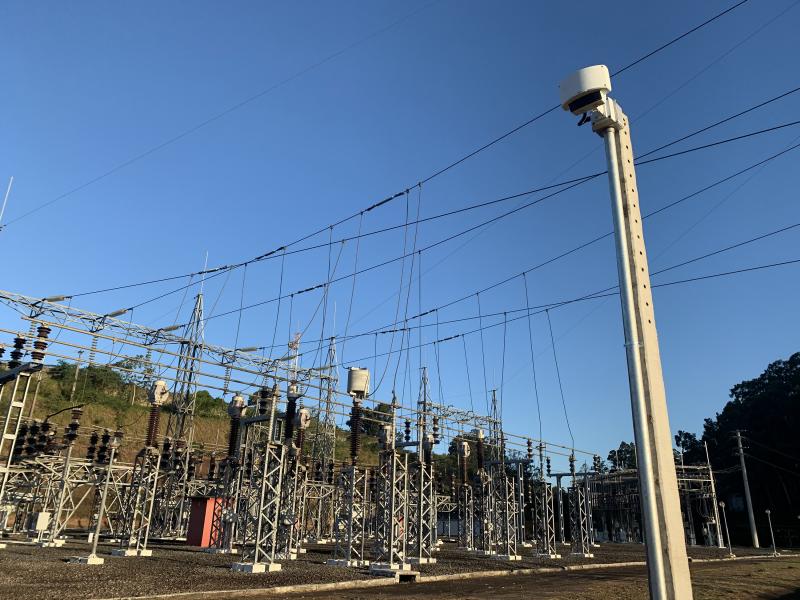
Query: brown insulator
{"x":300,"y":438}
{"x":407,"y":431}
{"x":264,"y":394}
{"x":17,"y":353}
{"x":464,"y":476}
{"x":152,"y":425}
{"x":291,"y":413}
{"x":102,"y":451}
{"x":91,"y":450}
{"x":19,"y":442}
{"x":71,"y":432}
{"x":355,"y":432}
{"x":479,"y":453}
{"x":166,"y":450}
{"x":43,"y":440}
{"x":40,"y":343}
{"x":233,"y":436}
{"x":33,"y":435}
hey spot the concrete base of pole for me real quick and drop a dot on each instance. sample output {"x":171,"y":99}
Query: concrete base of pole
{"x":92,"y":559}
{"x":221,"y":550}
{"x":256,"y":567}
{"x":129,"y":552}
{"x":342,"y":562}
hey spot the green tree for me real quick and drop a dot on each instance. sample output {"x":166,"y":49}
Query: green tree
{"x":623,"y":457}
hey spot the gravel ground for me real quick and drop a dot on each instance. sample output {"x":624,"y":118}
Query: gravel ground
{"x":43,"y":573}
{"x":754,"y":580}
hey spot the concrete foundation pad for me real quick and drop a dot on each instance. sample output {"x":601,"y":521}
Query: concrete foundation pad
{"x":422,"y":561}
{"x":124,"y":552}
{"x":256,"y":567}
{"x":583,"y":555}
{"x":2,"y":545}
{"x":92,"y":559}
{"x":380,"y":568}
{"x":341,"y":562}
{"x":221,"y":551}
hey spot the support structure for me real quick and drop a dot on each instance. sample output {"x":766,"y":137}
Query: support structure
{"x":748,"y":500}
{"x":585,"y":93}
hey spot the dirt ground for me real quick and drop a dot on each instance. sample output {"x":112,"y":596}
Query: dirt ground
{"x":30,"y":572}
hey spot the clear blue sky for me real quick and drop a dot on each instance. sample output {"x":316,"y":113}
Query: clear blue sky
{"x":88,"y":86}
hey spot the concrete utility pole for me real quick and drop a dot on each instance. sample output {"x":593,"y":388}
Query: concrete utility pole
{"x":585,"y":93}
{"x":720,"y":541}
{"x":748,"y":500}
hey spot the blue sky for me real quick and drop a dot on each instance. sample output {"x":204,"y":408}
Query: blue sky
{"x":89,"y":86}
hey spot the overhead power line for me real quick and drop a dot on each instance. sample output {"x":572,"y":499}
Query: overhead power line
{"x":541,"y":307}
{"x":580,"y":299}
{"x":450,"y":237}
{"x":210,"y":273}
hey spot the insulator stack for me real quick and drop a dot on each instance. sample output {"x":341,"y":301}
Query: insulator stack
{"x":464,"y":475}
{"x":235,"y":410}
{"x":91,"y":451}
{"x":152,"y":425}
{"x":102,"y":451}
{"x":452,"y":483}
{"x":407,"y":430}
{"x":318,"y":471}
{"x":330,"y":473}
{"x":300,"y":439}
{"x":191,"y":466}
{"x":33,"y":436}
{"x":226,"y":380}
{"x":547,"y":461}
{"x":264,"y":394}
{"x":212,"y":465}
{"x":355,"y":432}
{"x":479,"y":454}
{"x":436,"y":429}
{"x":17,"y":353}
{"x":2,"y":352}
{"x":166,"y":450}
{"x":43,"y":439}
{"x":233,"y":436}
{"x":530,"y":450}
{"x":40,"y":343}
{"x":71,"y":431}
{"x":291,"y":413}
{"x":572,"y":465}
{"x":19,"y":443}
{"x":93,"y":350}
